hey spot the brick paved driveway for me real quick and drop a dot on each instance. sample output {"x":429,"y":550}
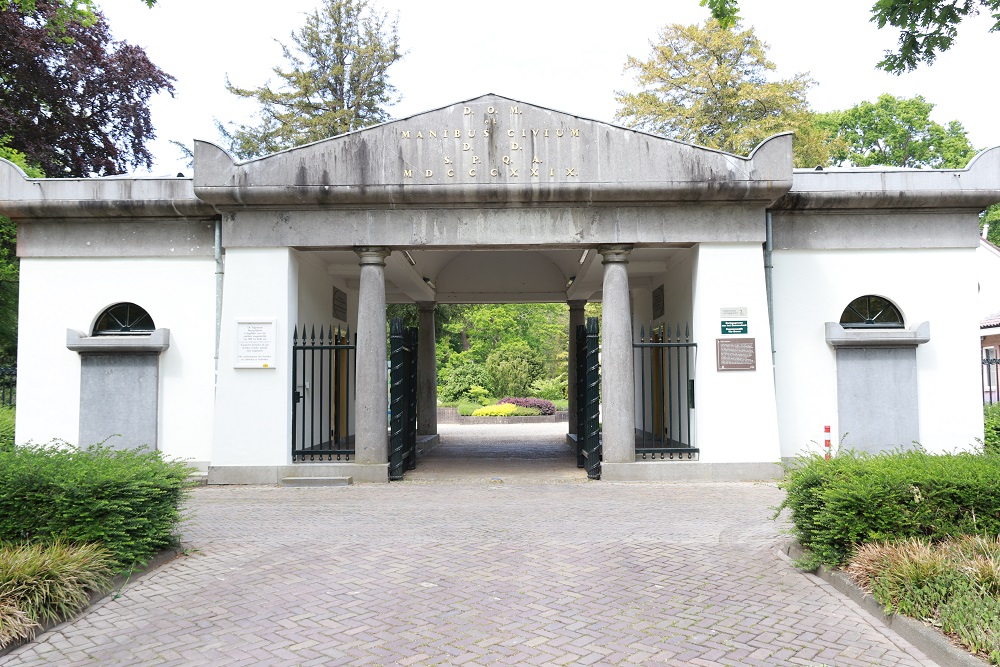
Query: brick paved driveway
{"x":459,"y":569}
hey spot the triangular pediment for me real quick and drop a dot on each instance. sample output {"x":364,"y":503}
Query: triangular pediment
{"x":493,"y":148}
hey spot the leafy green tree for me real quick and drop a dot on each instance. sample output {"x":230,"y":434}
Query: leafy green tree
{"x":710,"y":86}
{"x":926,"y":27}
{"x":336,"y":81}
{"x":9,"y":271}
{"x":899,"y":132}
{"x":512,"y":368}
{"x":458,"y":381}
{"x":82,"y":12}
{"x":544,"y":327}
{"x":75,"y":102}
{"x":991,"y":217}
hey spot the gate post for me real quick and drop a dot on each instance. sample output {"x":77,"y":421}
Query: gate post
{"x":579,"y":389}
{"x":411,"y":341}
{"x":398,"y":401}
{"x":575,"y":321}
{"x":593,"y":449}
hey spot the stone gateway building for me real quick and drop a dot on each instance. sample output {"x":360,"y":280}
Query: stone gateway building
{"x":237,"y":318}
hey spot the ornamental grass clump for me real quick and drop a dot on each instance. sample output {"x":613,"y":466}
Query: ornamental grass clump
{"x":857,"y":498}
{"x":46,"y":583}
{"x":127,"y":501}
{"x":952,"y":584}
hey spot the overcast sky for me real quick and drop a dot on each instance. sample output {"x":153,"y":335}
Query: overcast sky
{"x":559,"y":54}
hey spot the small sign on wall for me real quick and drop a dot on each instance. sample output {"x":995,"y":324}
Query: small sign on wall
{"x":256,"y":346}
{"x":339,"y":305}
{"x":734,"y":327}
{"x":658,"y":302}
{"x":736,"y":354}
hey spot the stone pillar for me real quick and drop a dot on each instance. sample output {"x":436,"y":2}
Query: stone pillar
{"x":617,"y":391}
{"x":372,"y":403}
{"x":576,"y":318}
{"x":427,"y":422}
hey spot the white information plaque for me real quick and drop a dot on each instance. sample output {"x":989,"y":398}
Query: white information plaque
{"x":255,"y":343}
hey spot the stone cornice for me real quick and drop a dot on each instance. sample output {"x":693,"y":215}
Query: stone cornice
{"x":974,"y":188}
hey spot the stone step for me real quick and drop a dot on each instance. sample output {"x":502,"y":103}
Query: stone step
{"x":316,"y":481}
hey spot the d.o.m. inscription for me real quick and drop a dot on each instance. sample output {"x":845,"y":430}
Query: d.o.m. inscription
{"x":736,"y":354}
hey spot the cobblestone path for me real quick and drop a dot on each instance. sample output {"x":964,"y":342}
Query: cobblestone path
{"x":460,"y":568}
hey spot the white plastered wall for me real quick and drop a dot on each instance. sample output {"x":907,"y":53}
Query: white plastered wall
{"x":735,"y":415}
{"x":315,"y":292}
{"x":988,"y":263}
{"x":58,"y":294}
{"x":252,"y":418}
{"x":812,"y":287}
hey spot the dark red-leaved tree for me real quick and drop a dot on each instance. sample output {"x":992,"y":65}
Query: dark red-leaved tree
{"x":73,"y":101}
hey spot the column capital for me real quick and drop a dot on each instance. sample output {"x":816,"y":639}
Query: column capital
{"x":613,"y":254}
{"x":576,"y":304}
{"x":372,"y":254}
{"x":426,"y":306}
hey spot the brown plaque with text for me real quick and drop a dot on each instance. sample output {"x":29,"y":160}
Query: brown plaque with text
{"x":736,"y":354}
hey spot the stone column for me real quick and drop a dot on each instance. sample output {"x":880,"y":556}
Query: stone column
{"x":617,"y":391}
{"x":576,"y":318}
{"x":427,"y":422}
{"x":372,"y":403}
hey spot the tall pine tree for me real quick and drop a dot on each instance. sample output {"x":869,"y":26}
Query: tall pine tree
{"x":336,"y":80}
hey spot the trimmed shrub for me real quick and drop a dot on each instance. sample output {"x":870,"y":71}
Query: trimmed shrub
{"x":856,"y":498}
{"x":991,"y":427}
{"x":128,"y":501}
{"x":505,"y":410}
{"x":544,"y":407}
{"x":457,"y":382}
{"x":42,"y":583}
{"x":512,"y":368}
{"x":479,"y":395}
{"x":553,"y":389}
{"x":466,"y":409}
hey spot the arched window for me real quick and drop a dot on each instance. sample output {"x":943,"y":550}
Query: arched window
{"x":124,"y":319}
{"x":871,"y":312}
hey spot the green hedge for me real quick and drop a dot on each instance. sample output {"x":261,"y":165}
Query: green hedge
{"x":127,"y":501}
{"x":855,"y":498}
{"x":991,"y":428}
{"x":7,"y":420}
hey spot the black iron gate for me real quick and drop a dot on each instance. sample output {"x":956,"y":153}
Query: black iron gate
{"x":402,"y":399}
{"x":667,"y":393}
{"x":990,"y":377}
{"x":322,"y":381}
{"x":588,"y":398}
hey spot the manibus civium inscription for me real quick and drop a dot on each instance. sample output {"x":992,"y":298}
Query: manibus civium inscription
{"x":489,"y":146}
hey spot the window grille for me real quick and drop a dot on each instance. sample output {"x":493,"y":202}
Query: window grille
{"x":124,"y":319}
{"x":871,"y":312}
